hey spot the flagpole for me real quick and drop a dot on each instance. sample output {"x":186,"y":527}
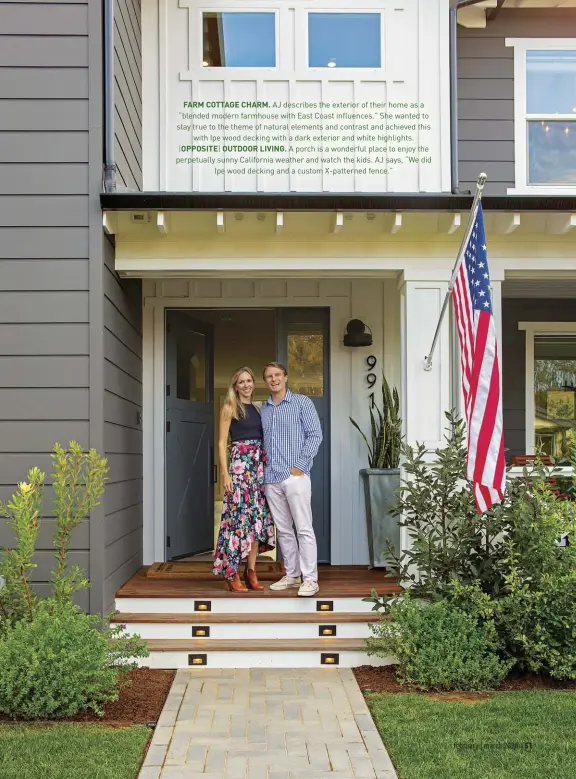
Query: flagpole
{"x":465,"y":238}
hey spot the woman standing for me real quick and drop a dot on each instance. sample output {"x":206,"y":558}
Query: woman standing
{"x":246,"y":527}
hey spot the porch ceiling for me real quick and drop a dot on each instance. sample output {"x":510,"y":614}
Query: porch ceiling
{"x":479,"y":13}
{"x":559,"y":287}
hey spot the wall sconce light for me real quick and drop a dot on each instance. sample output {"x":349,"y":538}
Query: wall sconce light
{"x":329,"y":659}
{"x":200,"y":631}
{"x":324,"y":605}
{"x":197,"y":659}
{"x":356,"y":334}
{"x":202,"y":605}
{"x":326,"y":630}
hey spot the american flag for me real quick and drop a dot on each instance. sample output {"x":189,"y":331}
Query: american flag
{"x":480,"y":369}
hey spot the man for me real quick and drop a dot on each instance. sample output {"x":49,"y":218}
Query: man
{"x":292,"y":437}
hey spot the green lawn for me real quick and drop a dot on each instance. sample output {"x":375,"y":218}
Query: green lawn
{"x":71,"y":751}
{"x":510,"y":736}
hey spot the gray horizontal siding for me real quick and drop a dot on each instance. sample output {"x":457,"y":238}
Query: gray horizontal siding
{"x":486,"y":91}
{"x":44,"y":250}
{"x":514,"y":360}
{"x":128,"y":93}
{"x":122,"y":427}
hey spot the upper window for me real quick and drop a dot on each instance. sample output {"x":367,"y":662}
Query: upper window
{"x":344,"y":40}
{"x":545,"y":113}
{"x":551,"y":116}
{"x":239,"y":39}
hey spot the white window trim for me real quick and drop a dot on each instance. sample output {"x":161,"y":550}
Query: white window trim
{"x":302,"y":46}
{"x":521,"y":46}
{"x":533,"y":329}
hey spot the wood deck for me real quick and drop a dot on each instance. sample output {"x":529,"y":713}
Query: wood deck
{"x":335,"y":582}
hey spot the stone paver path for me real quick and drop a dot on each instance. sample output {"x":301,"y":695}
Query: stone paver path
{"x":266,"y":724}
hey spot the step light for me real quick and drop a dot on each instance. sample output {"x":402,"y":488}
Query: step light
{"x":202,"y":605}
{"x":197,"y":659}
{"x":326,"y":630}
{"x":329,"y":659}
{"x":200,"y":631}
{"x":324,"y":605}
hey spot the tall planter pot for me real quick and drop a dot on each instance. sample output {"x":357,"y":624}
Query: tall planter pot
{"x":380,"y":488}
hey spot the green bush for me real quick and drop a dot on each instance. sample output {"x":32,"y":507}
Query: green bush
{"x":59,"y":664}
{"x":439,"y":646}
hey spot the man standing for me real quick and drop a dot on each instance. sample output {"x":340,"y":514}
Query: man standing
{"x":292,"y":437}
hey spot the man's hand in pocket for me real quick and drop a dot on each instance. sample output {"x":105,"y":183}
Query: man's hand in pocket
{"x":296,"y":472}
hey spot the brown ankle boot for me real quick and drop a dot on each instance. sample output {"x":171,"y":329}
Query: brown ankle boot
{"x":235,"y":585}
{"x":252,"y":580}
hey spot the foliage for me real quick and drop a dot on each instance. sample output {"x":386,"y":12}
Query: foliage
{"x":58,"y":664}
{"x":78,"y":481}
{"x":439,"y":646}
{"x":71,"y":751}
{"x":23,"y":513}
{"x":385,"y":430}
{"x":517,"y":735}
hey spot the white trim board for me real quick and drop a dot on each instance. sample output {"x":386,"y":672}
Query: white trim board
{"x":533,"y":329}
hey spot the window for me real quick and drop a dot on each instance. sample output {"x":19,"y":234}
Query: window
{"x":344,"y":40}
{"x":550,"y":387}
{"x":545,"y":114}
{"x":239,"y":39}
{"x":555,"y":394}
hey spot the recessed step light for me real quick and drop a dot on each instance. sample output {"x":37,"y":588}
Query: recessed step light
{"x":329,"y":658}
{"x":197,"y":659}
{"x":200,"y":631}
{"x":326,"y":630}
{"x":202,"y":605}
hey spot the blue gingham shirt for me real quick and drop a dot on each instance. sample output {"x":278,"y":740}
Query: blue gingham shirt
{"x":292,"y":436}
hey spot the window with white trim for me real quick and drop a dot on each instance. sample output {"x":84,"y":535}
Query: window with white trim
{"x":545,"y":114}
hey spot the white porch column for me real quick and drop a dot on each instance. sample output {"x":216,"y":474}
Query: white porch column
{"x":425,"y":394}
{"x":496,"y":279}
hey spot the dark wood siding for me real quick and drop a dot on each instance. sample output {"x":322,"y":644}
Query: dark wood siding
{"x":486,"y":91}
{"x":128,"y":93}
{"x":122,"y":427}
{"x":44,"y":249}
{"x":514,"y":361}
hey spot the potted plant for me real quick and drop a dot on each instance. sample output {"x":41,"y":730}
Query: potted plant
{"x":382,"y":478}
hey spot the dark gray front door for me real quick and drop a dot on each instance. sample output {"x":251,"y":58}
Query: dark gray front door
{"x":189,"y":435}
{"x":304,"y":348}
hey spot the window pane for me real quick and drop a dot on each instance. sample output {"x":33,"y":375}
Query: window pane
{"x":344,"y":40}
{"x":191,"y":367}
{"x":306,"y":363}
{"x":239,"y":40}
{"x":552,"y":153}
{"x":555,"y":394}
{"x":551,"y":82}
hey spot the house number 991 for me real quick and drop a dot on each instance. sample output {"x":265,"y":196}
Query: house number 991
{"x":371,"y":377}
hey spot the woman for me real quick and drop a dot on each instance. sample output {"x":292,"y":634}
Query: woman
{"x":246,"y":526}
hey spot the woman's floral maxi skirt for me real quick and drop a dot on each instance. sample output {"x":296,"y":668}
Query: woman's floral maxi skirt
{"x":246,"y":518}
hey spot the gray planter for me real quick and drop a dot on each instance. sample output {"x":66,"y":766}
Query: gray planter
{"x":380,"y":486}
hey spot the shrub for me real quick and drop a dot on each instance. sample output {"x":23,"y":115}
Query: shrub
{"x":59,"y":664}
{"x":439,"y":646}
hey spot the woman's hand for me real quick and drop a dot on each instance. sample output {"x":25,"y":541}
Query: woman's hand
{"x":227,"y":485}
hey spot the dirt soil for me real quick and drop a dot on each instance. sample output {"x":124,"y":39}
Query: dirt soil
{"x":383,"y":679}
{"x":141,"y":701}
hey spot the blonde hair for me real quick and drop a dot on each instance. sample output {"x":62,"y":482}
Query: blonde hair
{"x":237,"y":407}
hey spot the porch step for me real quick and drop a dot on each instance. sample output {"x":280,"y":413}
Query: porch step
{"x":254,"y":653}
{"x":209,"y":618}
{"x":242,"y":605}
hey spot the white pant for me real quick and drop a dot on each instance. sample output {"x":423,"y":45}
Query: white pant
{"x":290,"y":504}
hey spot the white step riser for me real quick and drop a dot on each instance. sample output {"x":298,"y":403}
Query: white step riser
{"x":241,"y":659}
{"x":238,"y":605}
{"x":247,"y":631}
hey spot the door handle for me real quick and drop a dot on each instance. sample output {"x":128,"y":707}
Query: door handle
{"x":215,"y":473}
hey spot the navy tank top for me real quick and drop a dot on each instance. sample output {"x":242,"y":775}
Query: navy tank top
{"x":249,"y":428}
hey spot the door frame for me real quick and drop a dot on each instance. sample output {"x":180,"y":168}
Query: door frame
{"x":346,"y":499}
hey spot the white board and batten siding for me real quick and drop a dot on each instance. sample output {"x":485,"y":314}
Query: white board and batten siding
{"x":291,"y":107}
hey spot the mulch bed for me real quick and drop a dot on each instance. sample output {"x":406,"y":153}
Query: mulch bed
{"x":140,"y":702}
{"x":383,"y":679}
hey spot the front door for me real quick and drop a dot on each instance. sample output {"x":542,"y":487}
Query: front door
{"x":303,"y":347}
{"x":189,"y":435}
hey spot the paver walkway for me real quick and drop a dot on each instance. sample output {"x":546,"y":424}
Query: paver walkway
{"x":266,"y":724}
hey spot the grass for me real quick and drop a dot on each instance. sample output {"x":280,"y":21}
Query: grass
{"x":71,"y":751}
{"x":517,"y":735}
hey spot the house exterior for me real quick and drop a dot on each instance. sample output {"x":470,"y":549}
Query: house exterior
{"x":231,"y":183}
